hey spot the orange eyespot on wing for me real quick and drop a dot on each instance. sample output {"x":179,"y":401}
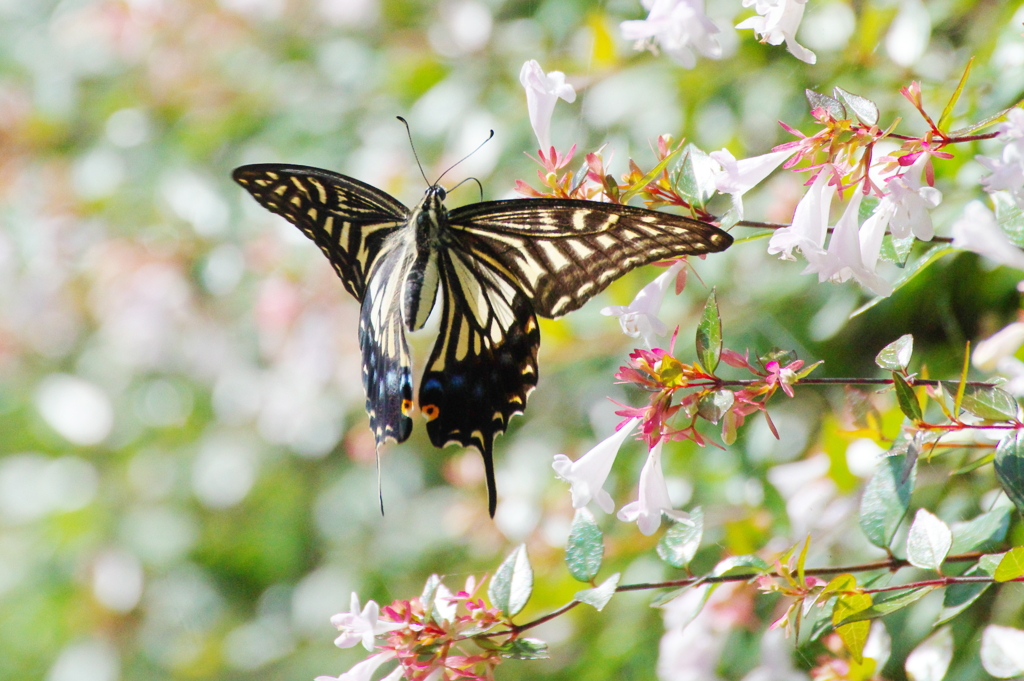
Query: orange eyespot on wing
{"x":406,"y":407}
{"x":430,"y":411}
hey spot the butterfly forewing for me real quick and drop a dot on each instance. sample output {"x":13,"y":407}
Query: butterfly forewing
{"x":564,"y":252}
{"x":348,"y":219}
{"x":484,"y":363}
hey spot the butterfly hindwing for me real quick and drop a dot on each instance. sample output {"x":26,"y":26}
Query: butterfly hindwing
{"x":563,"y":252}
{"x":484,"y":364}
{"x":348,"y":219}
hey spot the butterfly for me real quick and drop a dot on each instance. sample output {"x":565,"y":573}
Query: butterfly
{"x":495,"y":266}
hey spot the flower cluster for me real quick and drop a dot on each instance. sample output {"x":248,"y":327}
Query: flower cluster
{"x":429,"y":636}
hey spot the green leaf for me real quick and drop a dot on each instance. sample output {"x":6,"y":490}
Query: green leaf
{"x":896,"y":250}
{"x":1009,"y":217}
{"x":714,"y":405}
{"x":928,"y":541}
{"x":525,"y":649}
{"x":982,"y":533}
{"x":896,"y":355}
{"x":650,"y":177}
{"x":1009,"y":465}
{"x":855,"y":634}
{"x":1011,"y":566}
{"x":986,"y":402}
{"x":887,"y":607}
{"x":959,"y":597}
{"x":585,"y":548}
{"x":739,"y":563}
{"x":981,"y":125}
{"x":599,"y":595}
{"x":976,"y":464}
{"x":512,"y":583}
{"x":947,"y":113}
{"x":931,"y":255}
{"x":886,"y":499}
{"x":906,"y":398}
{"x":709,"y":335}
{"x":697,"y":176}
{"x":863,"y":108}
{"x":833,"y":106}
{"x":680,"y":542}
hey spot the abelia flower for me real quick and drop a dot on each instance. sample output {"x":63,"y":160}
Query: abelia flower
{"x":588,"y":473}
{"x":912,"y":201}
{"x":810,"y":223}
{"x":363,"y":671}
{"x":778,"y":21}
{"x":784,"y":376}
{"x":977,"y":231}
{"x":737,"y":177}
{"x":359,"y":627}
{"x":543,"y":90}
{"x":1003,"y":343}
{"x":639,"y":319}
{"x":845,"y":257}
{"x":1007,"y":172}
{"x":653,"y":499}
{"x":677,"y":26}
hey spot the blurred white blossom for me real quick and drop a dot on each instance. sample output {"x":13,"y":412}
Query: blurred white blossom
{"x":977,"y":231}
{"x":778,"y":21}
{"x":679,"y":27}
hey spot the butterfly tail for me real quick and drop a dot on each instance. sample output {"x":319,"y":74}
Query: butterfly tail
{"x":492,"y":485}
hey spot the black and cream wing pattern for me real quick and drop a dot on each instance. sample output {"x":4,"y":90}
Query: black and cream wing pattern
{"x":494,"y":266}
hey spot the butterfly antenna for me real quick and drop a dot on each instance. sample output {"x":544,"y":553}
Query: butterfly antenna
{"x":380,"y":493}
{"x":420,"y":166}
{"x":489,"y":138}
{"x":468,"y":179}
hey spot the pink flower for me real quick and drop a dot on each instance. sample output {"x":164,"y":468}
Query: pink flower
{"x":588,"y":473}
{"x":977,"y":231}
{"x":640,"y":318}
{"x":779,"y":21}
{"x":677,"y":26}
{"x":810,"y":223}
{"x":542,"y":92}
{"x":783,"y":376}
{"x":653,"y":499}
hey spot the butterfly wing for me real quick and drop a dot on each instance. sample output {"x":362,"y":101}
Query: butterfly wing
{"x":358,"y":228}
{"x":484,"y":364}
{"x":564,"y":252}
{"x":348,"y":219}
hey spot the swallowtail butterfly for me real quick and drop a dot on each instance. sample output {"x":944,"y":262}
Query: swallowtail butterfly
{"x":495,"y":265}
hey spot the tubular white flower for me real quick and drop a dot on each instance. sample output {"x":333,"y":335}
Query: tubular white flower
{"x":640,"y":318}
{"x":977,"y":231}
{"x":1003,"y":343}
{"x":542,"y":92}
{"x":844,"y":258}
{"x":364,"y":670}
{"x":588,"y":473}
{"x":1007,"y":172}
{"x":360,"y":626}
{"x":778,"y":21}
{"x":739,"y":177}
{"x":653,"y":499}
{"x":677,"y":26}
{"x":810,"y":224}
{"x":912,"y":201}
{"x":873,"y":231}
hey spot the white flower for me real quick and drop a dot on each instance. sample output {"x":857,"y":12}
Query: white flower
{"x":360,"y":627}
{"x":542,"y":91}
{"x":640,"y":318}
{"x":873,"y":231}
{"x":977,"y":231}
{"x":365,"y":669}
{"x":844,"y":258}
{"x":588,"y":473}
{"x":778,"y":21}
{"x":810,"y":223}
{"x":1007,"y":172}
{"x":679,"y":27}
{"x":652,"y":499}
{"x":912,"y":201}
{"x":1003,"y":343}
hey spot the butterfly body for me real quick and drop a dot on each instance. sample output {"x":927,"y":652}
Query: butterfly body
{"x":495,"y":266}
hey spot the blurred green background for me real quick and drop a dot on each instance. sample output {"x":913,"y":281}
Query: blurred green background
{"x":187,"y":479}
